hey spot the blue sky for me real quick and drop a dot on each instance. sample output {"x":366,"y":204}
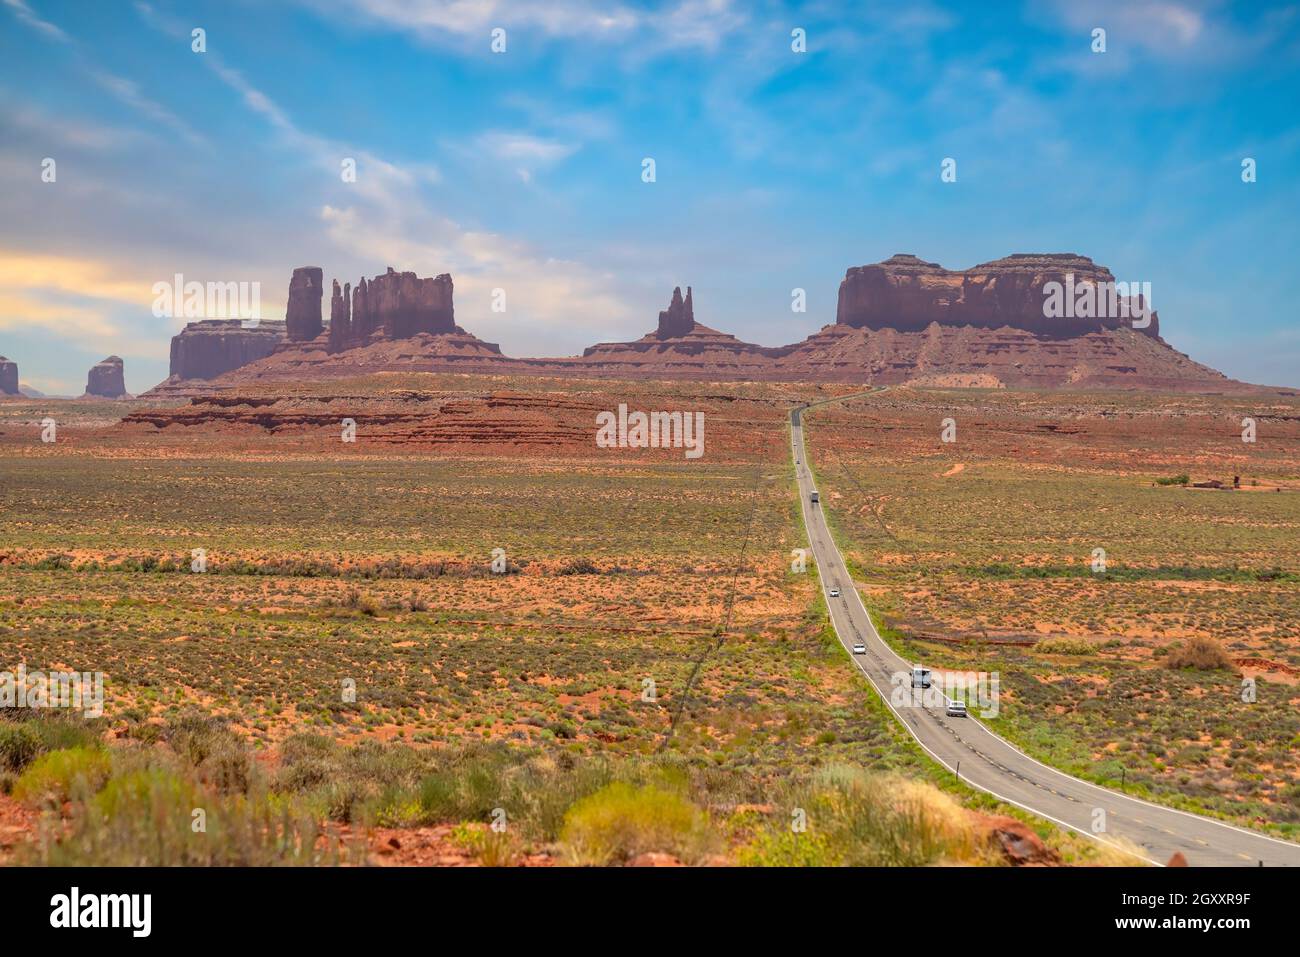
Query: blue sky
{"x":522,"y":170}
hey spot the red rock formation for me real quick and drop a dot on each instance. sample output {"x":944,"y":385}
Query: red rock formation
{"x":679,"y":346}
{"x":206,"y":349}
{"x":8,"y":377}
{"x":907,"y":294}
{"x":340,"y":317}
{"x":959,"y":356}
{"x":105,"y":379}
{"x":398,"y":304}
{"x":302,"y":316}
{"x":901,"y":321}
{"x":679,"y":318}
{"x":447,"y":352}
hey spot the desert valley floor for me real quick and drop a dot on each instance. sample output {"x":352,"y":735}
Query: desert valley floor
{"x":649,"y":646}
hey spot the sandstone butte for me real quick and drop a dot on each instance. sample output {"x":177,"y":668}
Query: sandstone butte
{"x":105,"y":379}
{"x":8,"y":377}
{"x":902,"y":320}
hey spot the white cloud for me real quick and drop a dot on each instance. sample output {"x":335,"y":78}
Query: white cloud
{"x":28,"y":16}
{"x":522,"y":146}
{"x":390,"y":221}
{"x":690,"y":23}
{"x":1156,"y":25}
{"x":127,"y":91}
{"x":524,"y":153}
{"x":65,"y":130}
{"x":551,"y":304}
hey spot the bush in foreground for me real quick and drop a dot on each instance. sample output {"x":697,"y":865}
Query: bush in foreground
{"x":620,"y":821}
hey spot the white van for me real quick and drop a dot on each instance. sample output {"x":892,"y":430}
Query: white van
{"x":920,"y":677}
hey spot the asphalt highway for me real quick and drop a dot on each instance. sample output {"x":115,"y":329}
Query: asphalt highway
{"x":986,"y":761}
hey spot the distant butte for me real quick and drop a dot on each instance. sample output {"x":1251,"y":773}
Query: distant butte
{"x":678,"y":346}
{"x":105,"y":379}
{"x":8,"y":377}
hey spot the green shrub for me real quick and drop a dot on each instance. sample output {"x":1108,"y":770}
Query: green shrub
{"x":619,"y":822}
{"x":55,"y":777}
{"x":19,"y":746}
{"x":61,"y":733}
{"x":1065,"y":646}
{"x":785,"y":848}
{"x":308,"y":761}
{"x":218,"y":754}
{"x":157,"y":818}
{"x":869,"y":820}
{"x":492,"y":848}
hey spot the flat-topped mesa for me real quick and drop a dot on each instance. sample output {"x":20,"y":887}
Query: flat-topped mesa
{"x":206,"y":349}
{"x":302,"y":316}
{"x":679,"y":318}
{"x":8,"y":377}
{"x":906,"y":293}
{"x":105,"y":379}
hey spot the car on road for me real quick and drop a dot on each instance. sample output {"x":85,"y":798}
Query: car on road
{"x":920,"y":677}
{"x":813,"y":498}
{"x":956,"y":709}
{"x":835,"y":593}
{"x":859,"y":649}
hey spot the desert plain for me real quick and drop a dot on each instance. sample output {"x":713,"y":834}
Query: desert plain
{"x":472,"y":636}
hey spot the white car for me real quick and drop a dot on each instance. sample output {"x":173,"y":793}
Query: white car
{"x":956,"y":709}
{"x":859,"y":649}
{"x":835,"y":593}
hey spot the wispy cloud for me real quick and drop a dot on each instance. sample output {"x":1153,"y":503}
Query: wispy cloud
{"x":687,"y":24}
{"x":390,"y":220}
{"x":28,"y":16}
{"x":525,"y":153}
{"x":65,"y":130}
{"x":1200,"y":31}
{"x":125,"y":90}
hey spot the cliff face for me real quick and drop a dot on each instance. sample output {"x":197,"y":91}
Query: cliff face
{"x":398,"y":304}
{"x":204,"y":350}
{"x":679,"y":318}
{"x":8,"y":377}
{"x":907,"y":294}
{"x":105,"y":379}
{"x":302,"y":313}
